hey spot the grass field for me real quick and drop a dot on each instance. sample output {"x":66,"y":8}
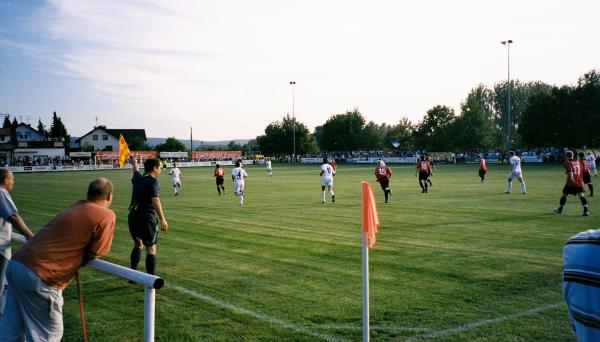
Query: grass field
{"x":462,"y":262}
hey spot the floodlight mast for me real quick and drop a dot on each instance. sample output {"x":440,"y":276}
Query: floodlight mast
{"x":509,"y":123}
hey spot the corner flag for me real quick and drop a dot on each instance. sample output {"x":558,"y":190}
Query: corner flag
{"x":370,"y":223}
{"x":123,"y":150}
{"x":370,"y":220}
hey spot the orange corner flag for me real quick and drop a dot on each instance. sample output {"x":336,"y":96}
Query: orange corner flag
{"x":370,"y":219}
{"x":123,"y":150}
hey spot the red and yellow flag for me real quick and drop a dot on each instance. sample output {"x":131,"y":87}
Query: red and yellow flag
{"x":123,"y":150}
{"x":370,"y":219}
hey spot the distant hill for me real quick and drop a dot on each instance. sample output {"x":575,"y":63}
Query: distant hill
{"x":197,"y":143}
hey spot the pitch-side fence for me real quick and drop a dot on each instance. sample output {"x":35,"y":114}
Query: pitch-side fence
{"x":151,"y":284}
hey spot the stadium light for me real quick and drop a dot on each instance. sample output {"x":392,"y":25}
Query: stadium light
{"x":507,"y":43}
{"x":293,"y":84}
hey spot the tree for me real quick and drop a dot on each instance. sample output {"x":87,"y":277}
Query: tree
{"x":13,"y":131}
{"x":138,"y":144}
{"x":42,"y":128}
{"x":58,"y":130}
{"x":519,"y":99}
{"x":233,"y":146}
{"x":343,"y":132}
{"x":6,"y":123}
{"x":473,"y":129}
{"x":401,"y":132}
{"x":433,"y":132}
{"x":279,"y":138}
{"x":171,"y":145}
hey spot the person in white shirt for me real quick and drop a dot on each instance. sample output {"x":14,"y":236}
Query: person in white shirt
{"x":592,"y":160}
{"x":515,"y":172}
{"x":269,"y":167}
{"x":176,"y":179}
{"x":238,"y":174}
{"x":327,"y":173}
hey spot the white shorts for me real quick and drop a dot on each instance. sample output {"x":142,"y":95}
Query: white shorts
{"x":176,"y":182}
{"x":238,"y":186}
{"x":512,"y":175}
{"x":325,"y":181}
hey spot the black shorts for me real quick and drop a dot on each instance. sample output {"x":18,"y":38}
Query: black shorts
{"x":384,"y":182}
{"x":219,"y":180}
{"x":423,"y":175}
{"x":572,"y":190}
{"x":143,"y":226}
{"x":587,"y":178}
{"x":482,"y":172}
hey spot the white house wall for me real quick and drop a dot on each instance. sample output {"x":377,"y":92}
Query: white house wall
{"x":99,"y":144}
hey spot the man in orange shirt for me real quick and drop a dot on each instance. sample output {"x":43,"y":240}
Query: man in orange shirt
{"x":423,"y":170}
{"x":383,"y":174}
{"x":574,"y":185}
{"x":45,"y":265}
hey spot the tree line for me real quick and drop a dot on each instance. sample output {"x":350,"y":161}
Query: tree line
{"x":541,"y":115}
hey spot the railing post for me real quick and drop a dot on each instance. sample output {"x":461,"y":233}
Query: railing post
{"x":149,"y":299}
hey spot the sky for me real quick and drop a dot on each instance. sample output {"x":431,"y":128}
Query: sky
{"x":223,"y":68}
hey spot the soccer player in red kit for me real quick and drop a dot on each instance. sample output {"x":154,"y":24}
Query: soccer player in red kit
{"x":574,"y":185}
{"x":587,"y":172}
{"x":423,"y":170}
{"x":482,"y":168}
{"x":383,"y":174}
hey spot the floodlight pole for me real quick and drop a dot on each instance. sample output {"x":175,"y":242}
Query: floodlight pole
{"x":507,"y":43}
{"x":293,"y":84}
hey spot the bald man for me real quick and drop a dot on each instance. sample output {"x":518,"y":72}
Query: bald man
{"x":45,"y":265}
{"x":9,"y":218}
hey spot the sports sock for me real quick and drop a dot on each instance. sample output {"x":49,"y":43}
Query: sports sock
{"x":150,"y":263}
{"x":508,"y":186}
{"x":421,"y":185}
{"x":591,"y":189}
{"x":241,"y":198}
{"x":425,"y":186}
{"x":323,"y":195}
{"x":584,"y":202}
{"x":562,"y":202}
{"x":523,"y":188}
{"x":218,"y":190}
{"x":136,"y":254}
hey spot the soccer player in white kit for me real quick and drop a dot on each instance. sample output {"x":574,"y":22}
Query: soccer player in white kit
{"x":515,"y":172}
{"x":176,"y":179}
{"x":592,"y":160}
{"x":327,"y":173}
{"x":269,"y":168}
{"x":238,"y":174}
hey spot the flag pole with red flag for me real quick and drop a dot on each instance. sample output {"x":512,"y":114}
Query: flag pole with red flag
{"x":370,"y":223}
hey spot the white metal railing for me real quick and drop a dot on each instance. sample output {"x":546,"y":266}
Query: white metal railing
{"x":151,"y":284}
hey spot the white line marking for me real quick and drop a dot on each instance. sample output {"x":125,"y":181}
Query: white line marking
{"x":256,"y":315}
{"x":391,"y":328}
{"x":470,"y":326}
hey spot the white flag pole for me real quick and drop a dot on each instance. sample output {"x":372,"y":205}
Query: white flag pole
{"x":365,"y":287}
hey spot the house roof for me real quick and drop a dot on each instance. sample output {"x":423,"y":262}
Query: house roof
{"x":128,"y":134}
{"x":27,"y":126}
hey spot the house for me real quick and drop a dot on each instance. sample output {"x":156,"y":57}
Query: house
{"x":5,"y":146}
{"x":28,"y":133}
{"x":104,"y":139}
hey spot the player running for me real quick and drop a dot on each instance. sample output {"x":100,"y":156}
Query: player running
{"x":327,"y":173}
{"x":515,"y":172}
{"x":592,"y":160}
{"x":219,"y":179}
{"x":175,"y":179}
{"x":423,"y":170}
{"x":587,"y":175}
{"x":574,"y":185}
{"x":383,"y":174}
{"x":269,"y":167}
{"x":431,"y":170}
{"x":482,"y":168}
{"x":238,"y":175}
